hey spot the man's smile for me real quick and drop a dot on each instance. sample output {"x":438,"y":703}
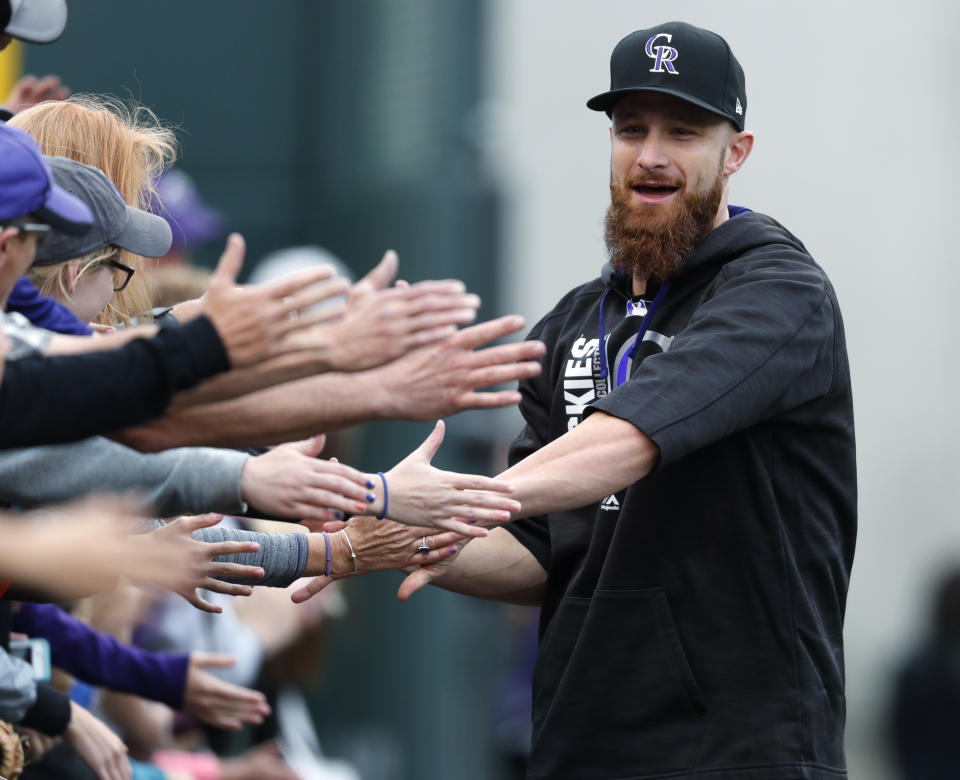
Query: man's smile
{"x":653,"y":192}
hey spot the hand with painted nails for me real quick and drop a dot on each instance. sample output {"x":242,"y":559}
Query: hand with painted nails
{"x":180,"y":563}
{"x":426,"y":572}
{"x":416,"y":493}
{"x":379,"y":545}
{"x":291,"y":482}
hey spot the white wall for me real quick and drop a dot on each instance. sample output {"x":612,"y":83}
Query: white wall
{"x":855,"y":112}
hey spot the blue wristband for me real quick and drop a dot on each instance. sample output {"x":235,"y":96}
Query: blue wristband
{"x":386,"y":497}
{"x":326,"y":541}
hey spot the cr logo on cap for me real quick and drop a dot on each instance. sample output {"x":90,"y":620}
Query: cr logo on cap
{"x":664,"y":55}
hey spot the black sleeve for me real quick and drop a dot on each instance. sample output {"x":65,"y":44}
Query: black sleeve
{"x":764,"y":342}
{"x":532,"y":532}
{"x":18,"y":593}
{"x":50,"y":713}
{"x":49,"y":400}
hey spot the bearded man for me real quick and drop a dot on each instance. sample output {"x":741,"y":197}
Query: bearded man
{"x":687,"y":470}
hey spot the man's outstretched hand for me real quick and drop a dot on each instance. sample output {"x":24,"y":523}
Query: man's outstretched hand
{"x":421,"y":495}
{"x":256,"y":322}
{"x":381,"y":322}
{"x":443,"y":378}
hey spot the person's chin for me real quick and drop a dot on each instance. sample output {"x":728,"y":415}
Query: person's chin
{"x":650,"y":215}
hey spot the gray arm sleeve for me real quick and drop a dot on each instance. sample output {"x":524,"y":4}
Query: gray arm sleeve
{"x":283,"y":557}
{"x":173,"y":482}
{"x":18,"y":691}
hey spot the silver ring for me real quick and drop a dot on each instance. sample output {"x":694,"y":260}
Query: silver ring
{"x":423,"y":548}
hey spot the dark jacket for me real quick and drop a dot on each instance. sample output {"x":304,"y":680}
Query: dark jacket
{"x":692,"y":622}
{"x":50,"y":400}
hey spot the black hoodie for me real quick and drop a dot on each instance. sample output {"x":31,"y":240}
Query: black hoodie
{"x":692,"y":622}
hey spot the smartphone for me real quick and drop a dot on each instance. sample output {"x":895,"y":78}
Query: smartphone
{"x":35,"y":652}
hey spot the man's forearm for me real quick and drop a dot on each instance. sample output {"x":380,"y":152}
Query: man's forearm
{"x":288,"y":412}
{"x":600,"y":456}
{"x":233,"y":384}
{"x":497,"y":568}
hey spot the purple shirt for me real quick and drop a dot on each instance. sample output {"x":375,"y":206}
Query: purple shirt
{"x":99,"y":659}
{"x":44,"y":312}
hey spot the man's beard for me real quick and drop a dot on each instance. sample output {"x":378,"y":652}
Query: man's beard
{"x":647,"y":244}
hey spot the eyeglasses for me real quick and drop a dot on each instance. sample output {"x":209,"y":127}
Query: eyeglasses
{"x":44,"y":232}
{"x":116,"y":264}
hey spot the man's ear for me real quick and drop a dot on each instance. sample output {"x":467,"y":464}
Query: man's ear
{"x":738,"y":150}
{"x":6,"y":236}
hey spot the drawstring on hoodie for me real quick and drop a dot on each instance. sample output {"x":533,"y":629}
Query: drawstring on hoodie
{"x":651,"y":309}
{"x":657,"y":300}
{"x":602,"y":344}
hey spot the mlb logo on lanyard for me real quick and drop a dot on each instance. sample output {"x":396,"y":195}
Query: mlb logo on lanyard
{"x":636,"y":309}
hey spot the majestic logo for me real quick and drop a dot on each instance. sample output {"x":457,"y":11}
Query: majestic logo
{"x":663,"y":55}
{"x":610,"y":504}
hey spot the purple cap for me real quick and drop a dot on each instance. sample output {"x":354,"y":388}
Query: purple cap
{"x":27,"y":187}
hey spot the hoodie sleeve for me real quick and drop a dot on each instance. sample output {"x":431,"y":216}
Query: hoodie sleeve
{"x":172,"y":482}
{"x":764,"y":341}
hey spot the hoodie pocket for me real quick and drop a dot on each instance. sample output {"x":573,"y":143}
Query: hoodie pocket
{"x":613,"y":692}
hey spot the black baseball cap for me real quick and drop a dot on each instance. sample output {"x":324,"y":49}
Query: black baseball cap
{"x":677,"y":59}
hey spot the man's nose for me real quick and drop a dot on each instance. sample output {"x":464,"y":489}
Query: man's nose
{"x":652,"y":153}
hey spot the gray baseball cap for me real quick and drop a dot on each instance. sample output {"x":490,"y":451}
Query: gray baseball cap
{"x":114,"y":222}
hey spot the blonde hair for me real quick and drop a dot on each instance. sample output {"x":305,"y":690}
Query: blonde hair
{"x":51,"y":280}
{"x":131,"y":146}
